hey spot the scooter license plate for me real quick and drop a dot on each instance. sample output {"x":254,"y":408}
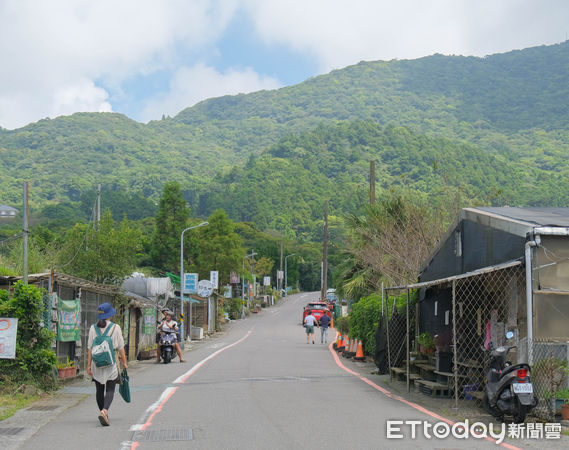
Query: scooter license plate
{"x":523,"y":388}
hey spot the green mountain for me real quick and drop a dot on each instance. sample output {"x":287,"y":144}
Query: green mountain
{"x":495,"y":127}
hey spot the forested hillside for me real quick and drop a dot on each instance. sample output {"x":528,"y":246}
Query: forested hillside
{"x":284,"y":187}
{"x":493,"y":129}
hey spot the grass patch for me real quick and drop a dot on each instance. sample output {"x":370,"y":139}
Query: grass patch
{"x":14,"y":397}
{"x":566,"y":433}
{"x":12,"y":402}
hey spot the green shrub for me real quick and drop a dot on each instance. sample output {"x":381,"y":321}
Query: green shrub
{"x":366,"y":313}
{"x":342,"y":325}
{"x":233,"y":307}
{"x":35,"y":360}
{"x":364,"y":320}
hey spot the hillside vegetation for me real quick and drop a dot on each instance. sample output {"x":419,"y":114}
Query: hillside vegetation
{"x":492,"y":130}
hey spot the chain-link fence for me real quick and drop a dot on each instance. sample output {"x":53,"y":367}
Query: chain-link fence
{"x":439,"y":345}
{"x":550,"y":376}
{"x":485,"y":307}
{"x":396,"y":337}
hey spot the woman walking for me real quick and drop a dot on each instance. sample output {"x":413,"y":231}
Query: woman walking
{"x":105,"y":375}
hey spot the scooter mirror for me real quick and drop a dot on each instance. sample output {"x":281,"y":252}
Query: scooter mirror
{"x":509,"y":335}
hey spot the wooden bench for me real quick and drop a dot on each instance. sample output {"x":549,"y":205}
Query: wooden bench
{"x":400,"y":373}
{"x":426,"y":371}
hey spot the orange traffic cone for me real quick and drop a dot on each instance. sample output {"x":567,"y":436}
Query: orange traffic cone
{"x":360,"y":353}
{"x":353,"y":345}
{"x":340,"y":345}
{"x":332,"y":321}
{"x":347,"y":344}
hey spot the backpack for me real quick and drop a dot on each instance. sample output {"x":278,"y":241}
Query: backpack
{"x":102,"y":349}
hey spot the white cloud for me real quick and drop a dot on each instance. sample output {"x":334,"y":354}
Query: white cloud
{"x":70,"y":46}
{"x":63,"y":56}
{"x":81,"y":96}
{"x":190,"y":85}
{"x":338,"y":33}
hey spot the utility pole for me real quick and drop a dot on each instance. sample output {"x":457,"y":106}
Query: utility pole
{"x":26,"y":233}
{"x":325,"y":253}
{"x":371,"y":182}
{"x":279,"y":281}
{"x":98,"y":212}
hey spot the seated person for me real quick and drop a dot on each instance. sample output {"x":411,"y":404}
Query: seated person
{"x":168,"y":325}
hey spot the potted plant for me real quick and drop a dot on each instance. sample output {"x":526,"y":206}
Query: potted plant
{"x":426,"y":343}
{"x":563,"y":395}
{"x":66,"y":369}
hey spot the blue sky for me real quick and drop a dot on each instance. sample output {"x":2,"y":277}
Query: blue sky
{"x":146,"y":58}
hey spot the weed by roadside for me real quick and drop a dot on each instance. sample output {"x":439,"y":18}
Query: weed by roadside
{"x":13,"y":398}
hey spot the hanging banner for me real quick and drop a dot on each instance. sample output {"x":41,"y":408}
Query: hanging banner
{"x":126,"y":326}
{"x":68,"y":320}
{"x":8,"y":333}
{"x":149,"y":321}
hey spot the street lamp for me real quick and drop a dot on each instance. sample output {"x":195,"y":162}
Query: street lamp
{"x":243,"y":284}
{"x":286,"y":284}
{"x":182,"y":286}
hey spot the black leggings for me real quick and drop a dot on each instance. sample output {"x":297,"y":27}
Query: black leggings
{"x":104,"y":400}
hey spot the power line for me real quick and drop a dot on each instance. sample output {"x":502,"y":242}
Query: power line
{"x":11,"y":238}
{"x":82,"y":241}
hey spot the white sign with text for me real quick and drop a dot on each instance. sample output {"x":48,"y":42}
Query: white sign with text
{"x":8,"y":333}
{"x":214,"y":278}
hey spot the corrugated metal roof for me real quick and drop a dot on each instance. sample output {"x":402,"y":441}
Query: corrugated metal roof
{"x":555,"y":217}
{"x":447,"y":280}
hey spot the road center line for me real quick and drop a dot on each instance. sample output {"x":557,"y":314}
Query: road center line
{"x":157,"y":406}
{"x":401,"y":399}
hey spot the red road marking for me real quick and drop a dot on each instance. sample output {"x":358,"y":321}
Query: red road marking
{"x":402,"y":400}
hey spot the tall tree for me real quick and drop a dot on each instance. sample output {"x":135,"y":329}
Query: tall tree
{"x":171,"y":220}
{"x":105,"y":255}
{"x":390,"y":242}
{"x":219,"y":247}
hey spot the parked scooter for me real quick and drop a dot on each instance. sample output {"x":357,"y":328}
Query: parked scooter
{"x":509,"y":390}
{"x":167,"y":346}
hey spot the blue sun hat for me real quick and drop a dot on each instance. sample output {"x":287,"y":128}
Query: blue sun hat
{"x":105,"y":311}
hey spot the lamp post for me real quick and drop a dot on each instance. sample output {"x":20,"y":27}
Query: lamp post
{"x":286,"y":281}
{"x":182,"y":286}
{"x":243,"y":284}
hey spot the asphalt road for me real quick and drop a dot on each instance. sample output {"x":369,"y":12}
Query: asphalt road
{"x":256,"y":386}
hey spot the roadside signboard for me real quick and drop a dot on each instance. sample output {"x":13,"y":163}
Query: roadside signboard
{"x":227,"y":291}
{"x":266,"y":281}
{"x":214,"y":278}
{"x":280,"y":275}
{"x":205,"y":288}
{"x":234,"y":278}
{"x":149,"y":321}
{"x":8,"y":333}
{"x":190,"y":283}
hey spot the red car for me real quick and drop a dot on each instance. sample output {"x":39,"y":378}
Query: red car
{"x":318,"y":310}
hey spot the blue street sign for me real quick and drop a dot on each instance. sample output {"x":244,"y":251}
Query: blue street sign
{"x":190,"y":283}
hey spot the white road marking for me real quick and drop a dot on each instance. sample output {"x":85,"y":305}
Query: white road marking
{"x":143,"y":421}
